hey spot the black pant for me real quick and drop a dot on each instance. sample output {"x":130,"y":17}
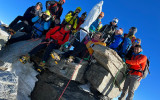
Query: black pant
{"x":48,"y":49}
{"x":21,"y":38}
{"x":23,"y":24}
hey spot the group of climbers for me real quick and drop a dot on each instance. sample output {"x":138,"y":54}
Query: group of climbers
{"x":37,"y":23}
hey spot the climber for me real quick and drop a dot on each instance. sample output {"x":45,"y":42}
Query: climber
{"x":97,"y":24}
{"x":41,"y":23}
{"x":81,"y":20}
{"x":117,"y":39}
{"x":127,"y":42}
{"x":55,"y":9}
{"x":137,"y":66}
{"x":72,"y":18}
{"x":26,"y":19}
{"x":84,"y":51}
{"x":54,"y":39}
{"x":108,"y":31}
{"x":137,"y":41}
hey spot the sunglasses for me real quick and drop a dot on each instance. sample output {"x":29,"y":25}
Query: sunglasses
{"x":114,"y":22}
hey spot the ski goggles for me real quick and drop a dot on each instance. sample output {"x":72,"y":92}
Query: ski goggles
{"x":115,"y":22}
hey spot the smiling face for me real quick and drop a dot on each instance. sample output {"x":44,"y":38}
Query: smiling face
{"x":137,"y":50}
{"x":38,"y":7}
{"x":67,"y":27}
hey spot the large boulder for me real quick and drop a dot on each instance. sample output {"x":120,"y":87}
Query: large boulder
{"x":69,"y":70}
{"x":50,"y":87}
{"x":111,"y":61}
{"x":102,"y":80}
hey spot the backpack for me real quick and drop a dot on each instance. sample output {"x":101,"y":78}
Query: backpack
{"x":146,"y":69}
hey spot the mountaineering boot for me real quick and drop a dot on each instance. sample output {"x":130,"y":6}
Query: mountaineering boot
{"x":24,"y":59}
{"x":56,"y":57}
{"x":41,"y":67}
{"x":70,"y":59}
{"x":11,"y":31}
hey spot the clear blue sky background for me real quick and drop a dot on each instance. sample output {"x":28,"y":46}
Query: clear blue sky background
{"x":144,"y":14}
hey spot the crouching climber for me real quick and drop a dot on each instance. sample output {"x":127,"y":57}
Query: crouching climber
{"x":54,"y":39}
{"x":40,"y":24}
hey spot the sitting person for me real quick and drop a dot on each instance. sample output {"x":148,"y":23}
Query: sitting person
{"x":26,"y":19}
{"x":84,"y":51}
{"x":54,"y":39}
{"x":41,"y":23}
{"x":117,"y":39}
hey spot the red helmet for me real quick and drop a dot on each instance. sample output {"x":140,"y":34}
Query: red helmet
{"x":102,"y":14}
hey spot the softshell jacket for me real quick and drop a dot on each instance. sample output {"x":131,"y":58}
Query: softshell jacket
{"x":137,"y":62}
{"x":80,"y":22}
{"x":70,"y":19}
{"x":58,"y":33}
{"x":56,"y":9}
{"x":95,"y":26}
{"x":40,"y":25}
{"x":93,"y":42}
{"x":30,"y":13}
{"x":116,"y":42}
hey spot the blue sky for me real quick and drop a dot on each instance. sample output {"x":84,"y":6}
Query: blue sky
{"x":143,"y":14}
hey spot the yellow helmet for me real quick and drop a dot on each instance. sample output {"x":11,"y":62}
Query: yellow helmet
{"x":48,"y":12}
{"x":79,"y":8}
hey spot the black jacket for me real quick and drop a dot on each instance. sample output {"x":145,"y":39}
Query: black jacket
{"x":30,"y":13}
{"x":55,"y":9}
{"x":108,"y":31}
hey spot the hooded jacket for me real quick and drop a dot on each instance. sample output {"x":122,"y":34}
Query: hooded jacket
{"x":58,"y":33}
{"x":95,"y":26}
{"x":137,"y":62}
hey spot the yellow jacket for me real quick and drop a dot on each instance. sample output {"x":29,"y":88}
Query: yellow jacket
{"x":90,"y":43}
{"x":69,"y":18}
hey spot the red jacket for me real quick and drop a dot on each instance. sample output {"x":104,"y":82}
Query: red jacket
{"x":58,"y":35}
{"x":80,"y":21}
{"x":135,"y":63}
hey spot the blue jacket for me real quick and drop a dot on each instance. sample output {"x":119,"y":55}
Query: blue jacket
{"x":40,"y":25}
{"x":95,"y":25}
{"x":117,"y":41}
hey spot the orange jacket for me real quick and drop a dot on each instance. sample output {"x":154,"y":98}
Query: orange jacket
{"x":88,"y":45}
{"x":137,"y":62}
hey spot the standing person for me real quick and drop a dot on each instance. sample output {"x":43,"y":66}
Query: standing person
{"x":54,"y":39}
{"x":97,"y":24}
{"x":117,"y":39}
{"x":137,"y":66}
{"x":55,"y":8}
{"x":40,"y":24}
{"x":81,"y":21}
{"x":127,"y":42}
{"x":137,"y":41}
{"x":72,"y":18}
{"x":26,"y":19}
{"x":108,"y":30}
